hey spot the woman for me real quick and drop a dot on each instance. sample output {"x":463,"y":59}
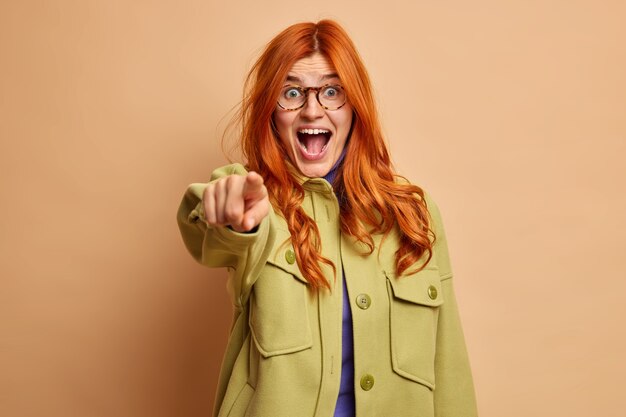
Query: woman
{"x":339,"y":271}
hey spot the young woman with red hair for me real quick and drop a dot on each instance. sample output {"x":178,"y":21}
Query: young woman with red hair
{"x":338,"y":268}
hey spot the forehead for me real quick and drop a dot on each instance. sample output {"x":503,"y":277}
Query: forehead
{"x":312,"y":69}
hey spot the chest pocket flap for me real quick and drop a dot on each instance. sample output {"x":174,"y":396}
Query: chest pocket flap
{"x":422,"y":288}
{"x":284,"y":257}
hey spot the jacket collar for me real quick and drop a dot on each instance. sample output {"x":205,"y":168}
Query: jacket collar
{"x":309,"y":184}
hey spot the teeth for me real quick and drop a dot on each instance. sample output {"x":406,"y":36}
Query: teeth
{"x":313,"y":131}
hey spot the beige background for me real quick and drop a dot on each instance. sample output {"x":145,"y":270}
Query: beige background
{"x":511,"y":113}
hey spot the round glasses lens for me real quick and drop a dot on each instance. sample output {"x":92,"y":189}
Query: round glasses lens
{"x":332,"y":96}
{"x":291,"y":97}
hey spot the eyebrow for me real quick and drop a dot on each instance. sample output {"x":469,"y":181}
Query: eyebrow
{"x":323,"y":78}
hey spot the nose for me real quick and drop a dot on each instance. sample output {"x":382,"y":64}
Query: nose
{"x":312,"y":108}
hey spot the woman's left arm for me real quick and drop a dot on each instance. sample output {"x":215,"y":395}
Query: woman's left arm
{"x":454,"y":387}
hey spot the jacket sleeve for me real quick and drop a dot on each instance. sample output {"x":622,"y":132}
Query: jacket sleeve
{"x":243,"y":253}
{"x":454,"y":388}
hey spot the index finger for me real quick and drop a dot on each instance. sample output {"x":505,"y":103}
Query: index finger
{"x":253,"y":184}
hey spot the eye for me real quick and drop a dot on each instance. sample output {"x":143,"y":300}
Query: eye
{"x":332,"y":91}
{"x":291,"y":93}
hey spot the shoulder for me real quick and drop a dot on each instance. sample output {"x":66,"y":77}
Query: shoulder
{"x":440,"y":247}
{"x":436,"y":225}
{"x":424,"y":195}
{"x":433,"y":210}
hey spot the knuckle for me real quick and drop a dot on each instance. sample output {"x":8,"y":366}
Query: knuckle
{"x":232,"y":214}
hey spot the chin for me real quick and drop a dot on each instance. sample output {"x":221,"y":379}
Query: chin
{"x":317,"y":171}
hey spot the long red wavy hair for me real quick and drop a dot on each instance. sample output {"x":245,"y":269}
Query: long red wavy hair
{"x":371,"y":199}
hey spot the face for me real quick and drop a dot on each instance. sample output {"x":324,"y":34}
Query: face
{"x":313,"y":137}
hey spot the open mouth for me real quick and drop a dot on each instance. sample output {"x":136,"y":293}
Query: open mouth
{"x":313,"y":142}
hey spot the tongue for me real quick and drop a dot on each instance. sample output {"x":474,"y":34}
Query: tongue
{"x":314,"y":143}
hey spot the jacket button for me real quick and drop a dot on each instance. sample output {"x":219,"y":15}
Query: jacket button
{"x":363,"y":301}
{"x":367,"y":382}
{"x":290,"y":256}
{"x":432,"y":292}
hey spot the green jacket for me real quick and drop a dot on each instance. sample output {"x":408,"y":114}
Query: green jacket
{"x":284,"y":352}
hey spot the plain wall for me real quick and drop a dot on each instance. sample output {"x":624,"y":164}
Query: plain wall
{"x":510,"y":113}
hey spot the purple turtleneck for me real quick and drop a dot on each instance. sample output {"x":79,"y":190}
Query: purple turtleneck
{"x":345,"y":402}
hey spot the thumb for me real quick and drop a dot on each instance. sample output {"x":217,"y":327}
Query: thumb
{"x":255,"y":214}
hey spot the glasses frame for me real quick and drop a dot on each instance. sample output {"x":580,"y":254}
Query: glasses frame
{"x":305,"y":93}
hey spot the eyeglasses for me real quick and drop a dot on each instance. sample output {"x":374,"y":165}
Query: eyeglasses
{"x":330,"y":97}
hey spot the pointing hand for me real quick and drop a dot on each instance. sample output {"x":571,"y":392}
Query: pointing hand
{"x":238,"y":201}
